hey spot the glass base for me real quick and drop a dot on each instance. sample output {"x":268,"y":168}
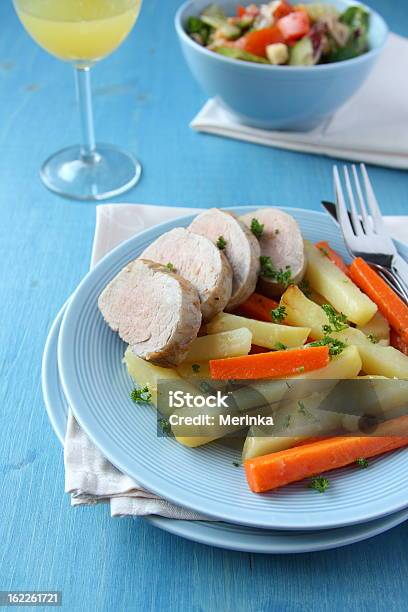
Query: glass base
{"x":107,"y":173}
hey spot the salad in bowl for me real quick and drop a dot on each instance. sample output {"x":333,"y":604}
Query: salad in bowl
{"x":280,"y":33}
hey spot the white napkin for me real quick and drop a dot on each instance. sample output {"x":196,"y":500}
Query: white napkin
{"x":371,"y":127}
{"x":89,"y":477}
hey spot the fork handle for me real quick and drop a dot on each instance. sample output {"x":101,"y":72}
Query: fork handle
{"x":393,"y":281}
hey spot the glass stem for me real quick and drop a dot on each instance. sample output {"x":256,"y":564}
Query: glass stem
{"x":83,"y":83}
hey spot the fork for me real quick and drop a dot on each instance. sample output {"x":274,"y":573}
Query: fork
{"x":365,"y":234}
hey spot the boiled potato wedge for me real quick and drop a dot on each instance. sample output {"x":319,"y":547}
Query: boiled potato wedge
{"x":250,"y":399}
{"x":231,"y":343}
{"x":328,"y":280}
{"x":386,"y":399}
{"x":264,"y":334}
{"x":256,"y":445}
{"x":302,"y":311}
{"x":377,"y":328}
{"x":376,"y":359}
{"x":200,"y":369}
{"x":147,"y":374}
{"x":309,"y":418}
{"x":345,"y":365}
{"x":294,"y":423}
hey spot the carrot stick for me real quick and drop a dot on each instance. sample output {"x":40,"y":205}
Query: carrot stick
{"x":397,"y":342}
{"x":270,"y":365}
{"x":257,"y":307}
{"x":332,"y":255}
{"x":278,"y":469}
{"x":388,"y":302}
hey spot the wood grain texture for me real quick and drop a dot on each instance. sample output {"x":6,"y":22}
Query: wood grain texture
{"x":144,"y":100}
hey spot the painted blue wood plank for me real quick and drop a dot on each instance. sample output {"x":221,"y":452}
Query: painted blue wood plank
{"x":144,"y":100}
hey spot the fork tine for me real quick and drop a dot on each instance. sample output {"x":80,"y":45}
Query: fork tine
{"x":363,"y":208}
{"x":341,"y":207}
{"x":353,"y":211}
{"x":376,"y":216}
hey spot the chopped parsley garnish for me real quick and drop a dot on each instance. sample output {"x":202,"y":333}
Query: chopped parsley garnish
{"x":140,"y":395}
{"x":236,"y":464}
{"x":257,"y":228}
{"x":196,"y":367}
{"x":304,"y":286}
{"x":320,"y":483}
{"x":324,"y":251}
{"x":362,"y":462}
{"x":288,"y":420}
{"x":170,"y":267}
{"x":337,"y":322}
{"x":165,"y":426}
{"x":267,"y":268}
{"x":335,"y":346}
{"x":372,"y":338}
{"x":301,"y":408}
{"x":301,"y":369}
{"x":283,"y":277}
{"x":278,"y":314}
{"x":279,"y":346}
{"x":221,"y":243}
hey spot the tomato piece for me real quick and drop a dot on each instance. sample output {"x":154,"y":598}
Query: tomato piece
{"x":282,"y":10}
{"x":294,"y":26}
{"x":257,"y":41}
{"x":247,"y":11}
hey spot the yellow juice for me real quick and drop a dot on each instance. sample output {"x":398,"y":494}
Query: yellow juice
{"x":78,"y":30}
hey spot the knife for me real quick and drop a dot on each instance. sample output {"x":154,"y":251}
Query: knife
{"x":330,"y":207}
{"x":399,"y":266}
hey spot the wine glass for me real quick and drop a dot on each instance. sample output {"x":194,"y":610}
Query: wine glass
{"x":83,"y":32}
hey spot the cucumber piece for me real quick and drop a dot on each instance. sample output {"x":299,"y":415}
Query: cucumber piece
{"x":229,"y":31}
{"x":302,"y":53}
{"x":240,"y":54}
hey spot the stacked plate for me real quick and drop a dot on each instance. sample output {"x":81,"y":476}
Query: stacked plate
{"x":83,"y":368}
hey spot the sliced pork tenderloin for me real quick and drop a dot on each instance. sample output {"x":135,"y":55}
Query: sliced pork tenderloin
{"x":281,"y":240}
{"x":154,"y":310}
{"x":198,"y":260}
{"x":241,"y":249}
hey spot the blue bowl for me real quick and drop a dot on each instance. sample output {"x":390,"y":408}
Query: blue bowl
{"x":278,"y":97}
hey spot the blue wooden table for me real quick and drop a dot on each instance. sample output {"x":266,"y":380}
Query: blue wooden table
{"x":144,"y":100}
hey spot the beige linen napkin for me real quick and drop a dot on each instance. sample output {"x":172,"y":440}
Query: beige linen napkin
{"x":372,"y":127}
{"x":89,"y":477}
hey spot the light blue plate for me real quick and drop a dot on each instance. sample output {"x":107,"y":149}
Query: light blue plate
{"x":97,"y":387}
{"x":223,"y":535}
